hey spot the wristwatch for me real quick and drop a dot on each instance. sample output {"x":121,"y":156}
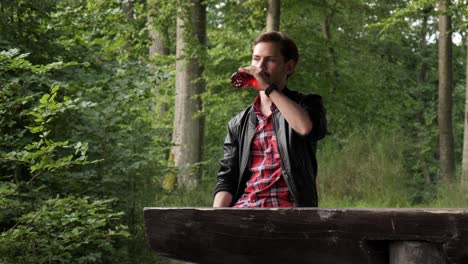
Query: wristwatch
{"x":270,"y":89}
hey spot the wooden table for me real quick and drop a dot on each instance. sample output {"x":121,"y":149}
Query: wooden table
{"x":309,"y":235}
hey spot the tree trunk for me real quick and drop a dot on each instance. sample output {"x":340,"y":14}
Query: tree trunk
{"x":422,"y":79}
{"x":187,"y":137}
{"x":273,"y":15}
{"x":334,"y":76}
{"x":447,"y":163}
{"x":132,"y":248}
{"x":158,"y":47}
{"x":158,"y":41}
{"x":158,"y":38}
{"x":464,"y":178}
{"x":127,"y":8}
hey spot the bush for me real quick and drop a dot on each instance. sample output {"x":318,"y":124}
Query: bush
{"x":64,"y":230}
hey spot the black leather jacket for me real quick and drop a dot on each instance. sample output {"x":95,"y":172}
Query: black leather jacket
{"x":297,"y":152}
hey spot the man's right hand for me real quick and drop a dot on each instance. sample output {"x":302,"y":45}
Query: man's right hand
{"x":222,"y":199}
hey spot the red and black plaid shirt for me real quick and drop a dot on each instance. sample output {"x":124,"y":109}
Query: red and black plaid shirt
{"x":266,"y":186}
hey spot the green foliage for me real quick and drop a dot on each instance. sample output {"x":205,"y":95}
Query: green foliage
{"x":25,"y":128}
{"x":42,"y":155}
{"x":23,"y":25}
{"x":76,"y":85}
{"x":64,"y":230}
{"x":412,"y":9}
{"x":366,"y":171}
{"x":56,"y":116}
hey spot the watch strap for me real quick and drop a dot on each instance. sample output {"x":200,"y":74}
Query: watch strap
{"x":270,"y":89}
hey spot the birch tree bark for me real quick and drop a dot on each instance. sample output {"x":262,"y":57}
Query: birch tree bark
{"x":273,"y":15}
{"x":187,"y":137}
{"x":446,"y":152}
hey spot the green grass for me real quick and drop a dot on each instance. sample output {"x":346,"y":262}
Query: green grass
{"x":367,"y":171}
{"x":364,"y":171}
{"x":448,"y":196}
{"x":202,"y":196}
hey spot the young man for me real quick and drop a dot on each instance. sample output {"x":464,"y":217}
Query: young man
{"x":269,"y":151}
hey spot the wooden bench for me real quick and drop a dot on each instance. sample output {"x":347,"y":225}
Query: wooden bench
{"x":309,"y":235}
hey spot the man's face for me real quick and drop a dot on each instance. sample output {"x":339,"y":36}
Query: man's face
{"x":267,"y":56}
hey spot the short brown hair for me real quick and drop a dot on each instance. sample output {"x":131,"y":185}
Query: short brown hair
{"x":288,"y":47}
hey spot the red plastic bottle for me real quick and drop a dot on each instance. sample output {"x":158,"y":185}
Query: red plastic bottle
{"x":243,"y":80}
